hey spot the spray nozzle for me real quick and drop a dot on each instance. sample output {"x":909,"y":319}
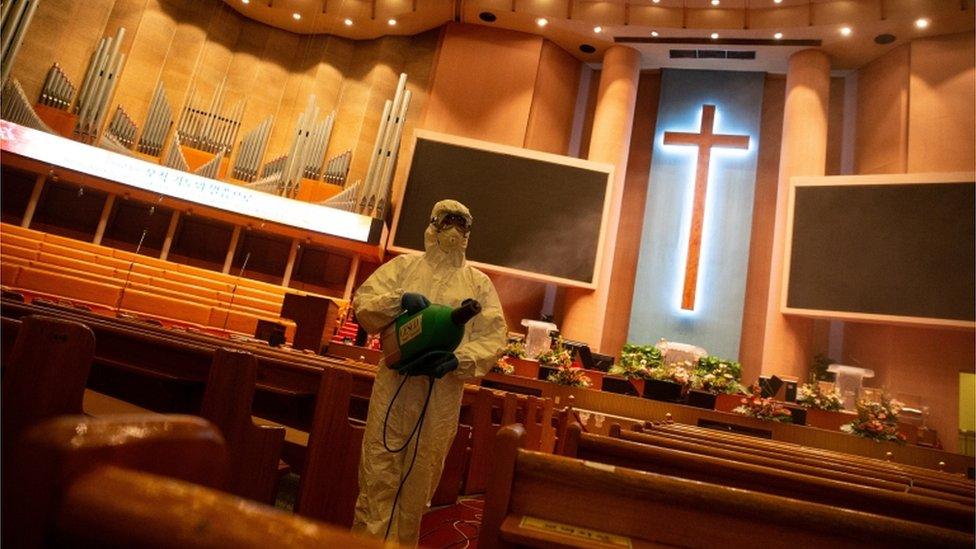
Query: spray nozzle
{"x":468,"y":309}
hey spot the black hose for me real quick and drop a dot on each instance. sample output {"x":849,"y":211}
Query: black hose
{"x":416,"y":431}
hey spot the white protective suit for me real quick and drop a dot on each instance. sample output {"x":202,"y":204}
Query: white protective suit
{"x":442,"y":275}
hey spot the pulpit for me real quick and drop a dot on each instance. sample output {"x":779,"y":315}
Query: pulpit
{"x":314,"y":318}
{"x":848,"y":382}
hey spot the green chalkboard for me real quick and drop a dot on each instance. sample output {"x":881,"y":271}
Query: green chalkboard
{"x":902,"y":249}
{"x":534,"y":213}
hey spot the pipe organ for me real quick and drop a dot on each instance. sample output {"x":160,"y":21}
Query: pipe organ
{"x":208,"y":126}
{"x":15,"y":17}
{"x":57,"y":90}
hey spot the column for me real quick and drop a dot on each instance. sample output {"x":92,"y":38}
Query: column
{"x":787,"y":339}
{"x":585,"y":311}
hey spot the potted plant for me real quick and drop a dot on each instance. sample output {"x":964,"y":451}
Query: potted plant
{"x":667,"y":382}
{"x":634,"y":365}
{"x":713,"y":376}
{"x":766,"y":409}
{"x":570,"y":376}
{"x":812,"y":395}
{"x":877,"y":420}
{"x":551,"y":360}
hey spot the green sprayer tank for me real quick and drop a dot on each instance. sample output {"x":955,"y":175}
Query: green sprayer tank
{"x":436,"y":327}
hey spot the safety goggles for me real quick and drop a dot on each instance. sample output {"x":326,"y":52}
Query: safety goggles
{"x":445,"y":221}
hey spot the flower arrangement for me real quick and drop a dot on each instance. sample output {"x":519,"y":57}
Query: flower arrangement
{"x":503,"y":366}
{"x":515,"y":349}
{"x":763,"y":408}
{"x":876,"y":420}
{"x":811,"y":395}
{"x":570,"y":376}
{"x":636,"y":361}
{"x":717,"y":375}
{"x":678,"y":372}
{"x":557,"y":356}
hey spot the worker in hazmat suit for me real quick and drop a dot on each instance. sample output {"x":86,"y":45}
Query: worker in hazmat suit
{"x":410,"y":283}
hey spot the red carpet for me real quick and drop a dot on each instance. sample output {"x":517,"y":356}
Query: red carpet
{"x":454,"y":526}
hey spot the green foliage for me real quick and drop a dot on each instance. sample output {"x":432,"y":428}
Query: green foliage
{"x":558,"y":355}
{"x":818,"y":369}
{"x":637,"y":361}
{"x":514,"y":349}
{"x":717,"y":375}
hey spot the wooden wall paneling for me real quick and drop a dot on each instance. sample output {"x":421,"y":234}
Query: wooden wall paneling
{"x":335,"y":66}
{"x":127,"y":221}
{"x":835,"y":126}
{"x":915,"y":361}
{"x":242,"y":74}
{"x":472,"y":95}
{"x":591,"y":94}
{"x":763,"y":221}
{"x":68,"y":32}
{"x":15,"y":192}
{"x":632,"y":212}
{"x":278,"y":57}
{"x":191,"y":20}
{"x":201,"y":242}
{"x":522,"y":298}
{"x":419,"y":66}
{"x":550,"y":122}
{"x":370,"y":82}
{"x":145,"y":59}
{"x":268,"y":255}
{"x":882,"y":114}
{"x":63,"y":210}
{"x":942,"y":109}
{"x":215,"y":57}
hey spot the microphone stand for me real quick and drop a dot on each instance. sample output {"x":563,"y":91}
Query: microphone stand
{"x":233,"y":291}
{"x":125,"y":285}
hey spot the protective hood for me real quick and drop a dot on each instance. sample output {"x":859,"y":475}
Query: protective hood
{"x":438,"y":244}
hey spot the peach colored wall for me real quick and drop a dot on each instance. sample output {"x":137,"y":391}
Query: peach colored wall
{"x":763,"y":220}
{"x":942,"y":117}
{"x":632,"y":212}
{"x":882,"y":114}
{"x":921,"y":97}
{"x":550,"y":123}
{"x":473,"y":94}
{"x":204,"y":42}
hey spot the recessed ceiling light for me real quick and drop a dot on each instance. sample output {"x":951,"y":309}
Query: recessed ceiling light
{"x":714,"y":35}
{"x":656,"y":1}
{"x":542,"y":21}
{"x":778,"y":35}
{"x":391,"y":22}
{"x":654,"y":33}
{"x":245,"y":1}
{"x":296,"y":16}
{"x":598,"y":29}
{"x":846,"y":31}
{"x":777,"y":1}
{"x":348,"y":22}
{"x":922,"y":22}
{"x":716,"y":2}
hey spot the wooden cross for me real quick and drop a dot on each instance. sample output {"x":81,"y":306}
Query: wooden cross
{"x":704,"y":140}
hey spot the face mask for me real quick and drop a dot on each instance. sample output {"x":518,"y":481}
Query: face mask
{"x":450,"y":240}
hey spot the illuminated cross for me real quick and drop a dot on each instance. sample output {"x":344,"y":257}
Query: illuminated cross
{"x":704,"y":140}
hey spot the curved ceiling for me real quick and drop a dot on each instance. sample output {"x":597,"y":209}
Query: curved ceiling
{"x":586,"y":28}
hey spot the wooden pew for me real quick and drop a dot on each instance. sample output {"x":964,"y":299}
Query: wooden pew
{"x":796,"y":464}
{"x":53,"y":385}
{"x":535,"y":499}
{"x":255,"y":450}
{"x":769,"y":480}
{"x":143,"y":482}
{"x":923,"y":479}
{"x":329,"y":482}
{"x":828,"y":455}
{"x":493,"y":410}
{"x":45,"y":373}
